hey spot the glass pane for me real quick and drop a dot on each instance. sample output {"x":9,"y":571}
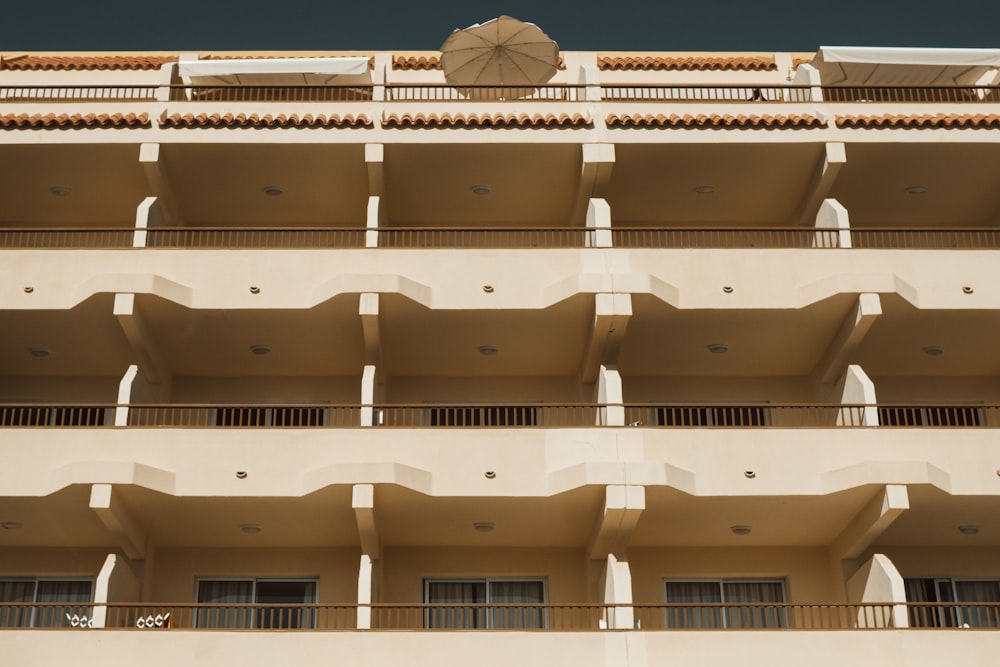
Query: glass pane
{"x":61,"y":592}
{"x":757,"y":594}
{"x":456,"y":593}
{"x":517,"y":592}
{"x":18,"y":590}
{"x":978,"y":616}
{"x":295,"y":594}
{"x":220,"y":594}
{"x":693,"y":594}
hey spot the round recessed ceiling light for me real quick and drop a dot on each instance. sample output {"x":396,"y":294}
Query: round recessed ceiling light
{"x":488,"y":350}
{"x":38,"y":352}
{"x":915,"y":190}
{"x":704,"y":190}
{"x":933,"y":350}
{"x":741,"y":530}
{"x":10,"y":525}
{"x":481,"y":189}
{"x":484,"y":526}
{"x":60,"y":190}
{"x":250,"y":528}
{"x":969,"y":530}
{"x":260,"y":349}
{"x":273,"y":191}
{"x":718,"y":348}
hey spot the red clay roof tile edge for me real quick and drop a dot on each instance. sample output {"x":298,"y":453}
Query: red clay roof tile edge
{"x":741,"y":63}
{"x":899,"y":121}
{"x":64,"y":121}
{"x":242,"y":121}
{"x":433,"y":120}
{"x":627,"y":121}
{"x":65,"y":63}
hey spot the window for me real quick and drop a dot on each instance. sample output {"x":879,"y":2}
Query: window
{"x":256,"y":603}
{"x":757,"y":603}
{"x":939,"y":415}
{"x":954,"y":591}
{"x":469,"y":603}
{"x":711,"y":415}
{"x":483,"y":415}
{"x":47,"y":603}
{"x":292,"y":417}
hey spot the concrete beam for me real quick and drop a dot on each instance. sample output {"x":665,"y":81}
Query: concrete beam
{"x":110,"y":509}
{"x":158,"y":180}
{"x":363,"y":503}
{"x":878,"y":581}
{"x":623,"y":505}
{"x":374,"y":160}
{"x":598,"y":162}
{"x":368,"y":308}
{"x":139,"y":335}
{"x":855,"y":388}
{"x":611,"y":317}
{"x":849,"y":336}
{"x":873,"y":519}
{"x":834,"y":157}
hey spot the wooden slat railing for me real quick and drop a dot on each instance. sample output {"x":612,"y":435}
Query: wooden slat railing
{"x":494,"y":237}
{"x":704,"y":93}
{"x":78,"y":93}
{"x":925,"y":94}
{"x":26,"y":238}
{"x":724,"y":237}
{"x":682,"y":415}
{"x":248,"y":93}
{"x":932,"y":239}
{"x":501,"y":617}
{"x":255,"y":237}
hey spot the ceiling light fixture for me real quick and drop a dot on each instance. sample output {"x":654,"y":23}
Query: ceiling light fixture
{"x":260,"y":349}
{"x":741,"y":530}
{"x":273,"y":191}
{"x":60,"y":190}
{"x":250,"y":528}
{"x":704,"y":190}
{"x":488,"y":350}
{"x":969,"y":530}
{"x":933,"y":350}
{"x":481,"y":189}
{"x":484,"y":526}
{"x":38,"y":352}
{"x":915,"y":190}
{"x":10,"y":525}
{"x":718,"y":348}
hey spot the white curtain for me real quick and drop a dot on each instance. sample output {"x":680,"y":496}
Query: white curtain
{"x":220,"y":593}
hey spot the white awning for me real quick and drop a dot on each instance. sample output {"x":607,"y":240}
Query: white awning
{"x":277,"y":71}
{"x":892,"y":66}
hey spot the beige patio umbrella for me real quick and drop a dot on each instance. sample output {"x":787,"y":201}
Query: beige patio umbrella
{"x":501,"y":52}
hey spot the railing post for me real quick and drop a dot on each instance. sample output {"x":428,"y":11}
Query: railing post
{"x":807,"y":75}
{"x":599,"y":222}
{"x":832,"y":216}
{"x":380,"y":75}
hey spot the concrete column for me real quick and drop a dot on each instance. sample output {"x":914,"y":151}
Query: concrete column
{"x":365,"y":584}
{"x":609,"y":394}
{"x":833,"y":215}
{"x":368,"y":396}
{"x":590,"y":77}
{"x":380,"y":75}
{"x":125,"y":395}
{"x":856,"y":388}
{"x":878,"y":581}
{"x":374,"y":215}
{"x":617,"y":585}
{"x":101,"y":586}
{"x":147,"y":214}
{"x":168,"y":74}
{"x":599,"y":220}
{"x":807,"y":75}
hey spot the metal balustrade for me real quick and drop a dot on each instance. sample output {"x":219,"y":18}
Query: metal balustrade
{"x":78,"y":93}
{"x":924,"y":94}
{"x":274,"y":237}
{"x":706,"y":617}
{"x":703,"y":93}
{"x":446,"y":93}
{"x":284,"y":93}
{"x":498,"y":415}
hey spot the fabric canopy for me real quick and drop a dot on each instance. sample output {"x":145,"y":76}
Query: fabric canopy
{"x":892,"y":66}
{"x":276,"y":71}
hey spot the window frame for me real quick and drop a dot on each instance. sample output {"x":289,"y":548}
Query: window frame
{"x":490,"y":613}
{"x":307,"y":621}
{"x":34,"y":613}
{"x":781,"y":618}
{"x":938,"y":617}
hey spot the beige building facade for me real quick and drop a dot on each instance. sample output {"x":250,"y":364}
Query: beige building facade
{"x":677,"y":357}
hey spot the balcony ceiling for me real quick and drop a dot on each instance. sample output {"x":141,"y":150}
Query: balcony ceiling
{"x":934,"y":517}
{"x":675,"y":519}
{"x":417,"y":341}
{"x":83,"y":341}
{"x":62,"y":519}
{"x":408,"y":518}
{"x":754,"y":184}
{"x":662,"y":340}
{"x":895,"y":345}
{"x":322,"y":341}
{"x":531,"y":185}
{"x":962,"y":182}
{"x":105,"y":184}
{"x":223,"y":184}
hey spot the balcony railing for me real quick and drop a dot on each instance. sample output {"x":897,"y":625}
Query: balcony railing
{"x":246,"y":93}
{"x":543,"y":415}
{"x":703,"y":93}
{"x":498,"y":237}
{"x":932,"y":94}
{"x":499,"y":617}
{"x":446,"y":93}
{"x":78,"y":93}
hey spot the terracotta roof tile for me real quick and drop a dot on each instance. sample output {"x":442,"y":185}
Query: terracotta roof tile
{"x":432,"y":62}
{"x":940,"y":120}
{"x":714,"y":120}
{"x":800,"y":61}
{"x":84,"y":62}
{"x":266,"y":121}
{"x":745,"y":64}
{"x":64,"y":121}
{"x":485,"y":120}
{"x":250,"y":56}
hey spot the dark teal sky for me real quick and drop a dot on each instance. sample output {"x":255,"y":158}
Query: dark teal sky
{"x":610,"y":25}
